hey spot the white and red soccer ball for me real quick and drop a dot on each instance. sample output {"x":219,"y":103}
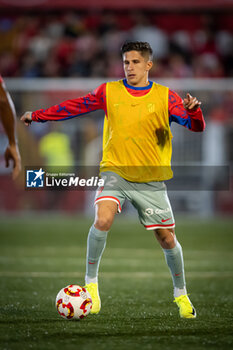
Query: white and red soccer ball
{"x":73,"y":302}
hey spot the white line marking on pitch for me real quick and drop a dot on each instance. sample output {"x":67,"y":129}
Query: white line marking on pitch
{"x":203,"y":274}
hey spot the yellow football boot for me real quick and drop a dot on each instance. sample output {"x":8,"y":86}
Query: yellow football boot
{"x":92,"y":288}
{"x":185,"y":306}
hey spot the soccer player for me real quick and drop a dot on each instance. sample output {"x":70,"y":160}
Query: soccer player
{"x":136,"y":159}
{"x":8,"y":117}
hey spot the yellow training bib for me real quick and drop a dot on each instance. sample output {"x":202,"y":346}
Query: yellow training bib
{"x":137,"y":138}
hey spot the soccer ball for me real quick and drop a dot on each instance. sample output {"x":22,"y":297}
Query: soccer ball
{"x":73,"y":302}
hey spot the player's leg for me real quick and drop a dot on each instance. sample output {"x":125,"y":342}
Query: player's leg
{"x":96,"y":241}
{"x":155,"y":213}
{"x":174,"y":258}
{"x":108,"y":202}
{"x":104,"y":215}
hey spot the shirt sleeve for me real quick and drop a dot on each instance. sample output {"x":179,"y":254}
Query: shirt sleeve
{"x":73,"y":108}
{"x":193,"y":120}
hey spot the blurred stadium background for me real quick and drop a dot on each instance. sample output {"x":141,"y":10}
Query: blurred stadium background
{"x":56,"y":50}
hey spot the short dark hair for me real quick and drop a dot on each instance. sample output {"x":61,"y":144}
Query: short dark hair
{"x":143,"y":47}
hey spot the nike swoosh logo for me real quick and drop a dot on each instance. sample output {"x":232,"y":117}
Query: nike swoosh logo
{"x":177,"y":274}
{"x":91,"y":263}
{"x":164,"y":220}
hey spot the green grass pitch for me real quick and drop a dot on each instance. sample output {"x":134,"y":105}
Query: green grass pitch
{"x":40,"y":255}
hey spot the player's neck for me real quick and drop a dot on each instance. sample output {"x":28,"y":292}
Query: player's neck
{"x":138,"y":87}
{"x":139,"y":84}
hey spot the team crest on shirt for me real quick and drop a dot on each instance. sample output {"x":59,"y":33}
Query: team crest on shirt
{"x":151,"y":107}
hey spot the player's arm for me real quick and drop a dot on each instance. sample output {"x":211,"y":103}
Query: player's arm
{"x":70,"y":108}
{"x":8,"y":117}
{"x":186,"y":112}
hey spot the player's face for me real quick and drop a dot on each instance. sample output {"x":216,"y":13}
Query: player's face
{"x":136,"y":68}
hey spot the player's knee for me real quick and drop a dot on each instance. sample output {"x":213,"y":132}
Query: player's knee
{"x":103,"y":223}
{"x":104,"y":215}
{"x":166,"y":238}
{"x":168,"y":241}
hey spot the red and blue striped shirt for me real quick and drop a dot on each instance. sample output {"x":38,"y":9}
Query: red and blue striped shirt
{"x":96,"y":100}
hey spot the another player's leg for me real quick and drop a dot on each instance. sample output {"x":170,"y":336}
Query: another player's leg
{"x":174,"y":258}
{"x":96,"y":241}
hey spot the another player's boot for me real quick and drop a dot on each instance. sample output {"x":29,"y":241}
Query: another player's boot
{"x":92,"y":288}
{"x":185,"y":306}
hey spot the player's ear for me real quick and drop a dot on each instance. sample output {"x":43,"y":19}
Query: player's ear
{"x":149,"y":65}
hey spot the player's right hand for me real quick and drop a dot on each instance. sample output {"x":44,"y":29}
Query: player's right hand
{"x":27,"y":118}
{"x":12,"y":153}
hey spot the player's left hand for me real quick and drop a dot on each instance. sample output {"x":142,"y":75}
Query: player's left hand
{"x":12,"y":153}
{"x":27,"y":118}
{"x":191,"y":103}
